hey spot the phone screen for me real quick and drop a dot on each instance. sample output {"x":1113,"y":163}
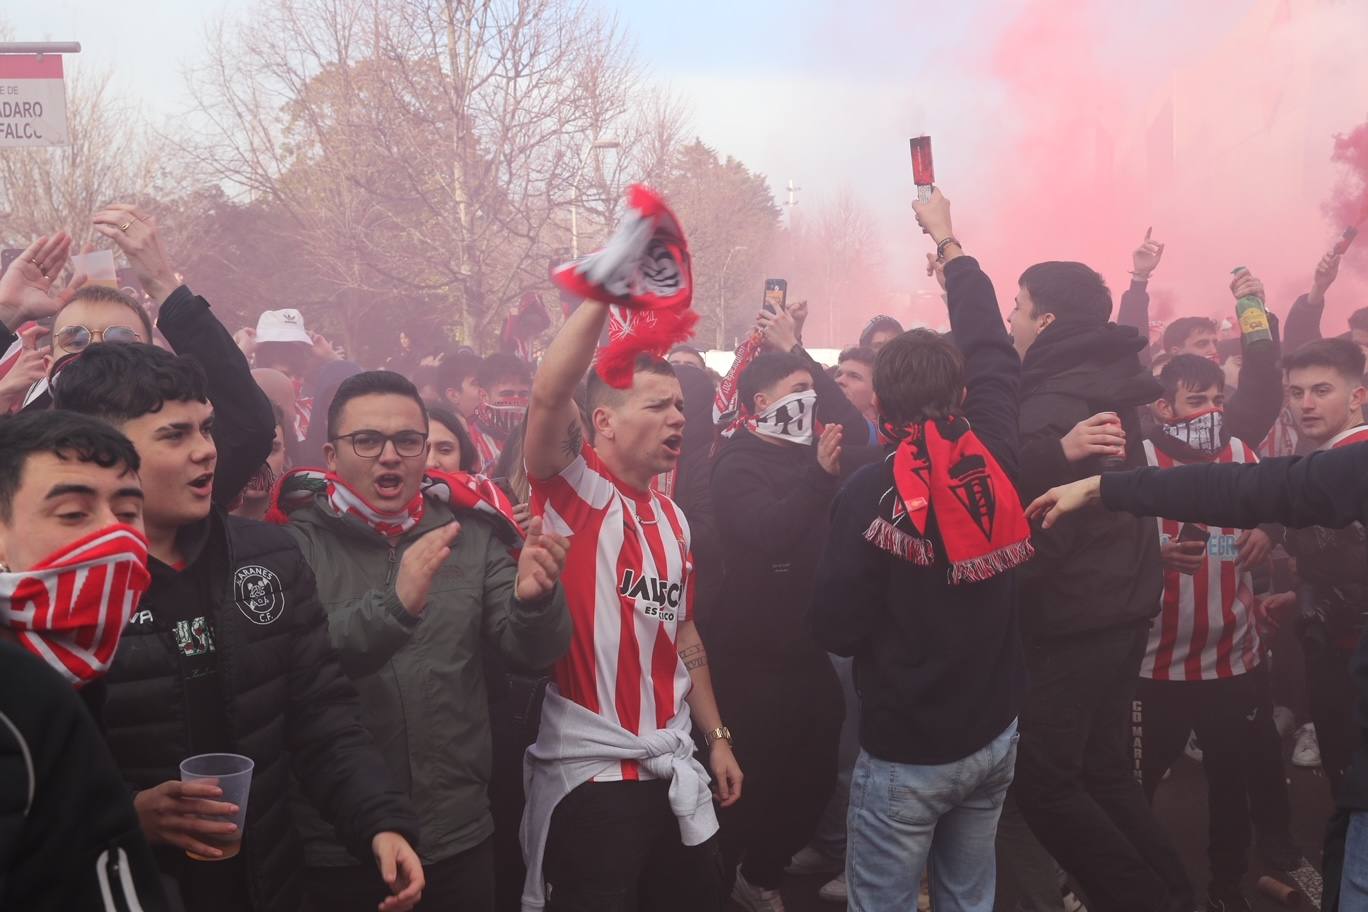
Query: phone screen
{"x":1193,"y":532}
{"x":776,"y":292}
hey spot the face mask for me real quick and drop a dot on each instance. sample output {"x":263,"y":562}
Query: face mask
{"x":1200,"y":433}
{"x":788,"y":419}
{"x":71,"y":608}
{"x":503,"y":415}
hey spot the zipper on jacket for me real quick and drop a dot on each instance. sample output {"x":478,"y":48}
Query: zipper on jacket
{"x":393,"y":562}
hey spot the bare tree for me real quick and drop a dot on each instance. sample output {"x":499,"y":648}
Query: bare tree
{"x":421,"y":146}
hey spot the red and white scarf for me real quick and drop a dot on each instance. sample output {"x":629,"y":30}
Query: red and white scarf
{"x":942,"y":466}
{"x":1350,"y":437}
{"x":726,"y":405}
{"x":299,"y":487}
{"x":646,"y":273}
{"x":71,"y":608}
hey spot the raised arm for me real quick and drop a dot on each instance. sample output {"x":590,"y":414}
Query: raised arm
{"x":1257,"y":401}
{"x":1304,"y":319}
{"x":554,"y":433}
{"x":1134,"y":309}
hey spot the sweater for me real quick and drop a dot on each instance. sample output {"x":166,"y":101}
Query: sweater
{"x":939,"y":668}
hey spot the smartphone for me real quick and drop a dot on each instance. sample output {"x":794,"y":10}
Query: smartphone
{"x":923,"y":168}
{"x":776,"y":293}
{"x":1193,"y":532}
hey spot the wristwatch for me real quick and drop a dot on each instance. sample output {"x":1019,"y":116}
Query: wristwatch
{"x":721,"y":733}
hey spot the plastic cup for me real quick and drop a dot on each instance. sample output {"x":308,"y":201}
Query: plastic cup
{"x":98,"y":265}
{"x":233,"y":774}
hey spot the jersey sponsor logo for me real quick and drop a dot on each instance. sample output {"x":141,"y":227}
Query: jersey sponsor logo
{"x":661,"y":595}
{"x":258,"y":594}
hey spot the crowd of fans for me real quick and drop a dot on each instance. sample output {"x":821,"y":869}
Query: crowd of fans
{"x":455,"y":610}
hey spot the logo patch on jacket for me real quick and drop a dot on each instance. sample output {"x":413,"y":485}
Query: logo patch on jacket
{"x":258,"y":593}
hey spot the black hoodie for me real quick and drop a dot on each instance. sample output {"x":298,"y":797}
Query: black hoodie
{"x":1092,"y":571}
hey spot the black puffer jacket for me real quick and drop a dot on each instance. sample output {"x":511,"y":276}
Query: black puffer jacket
{"x":289,"y":707}
{"x":1092,"y":571}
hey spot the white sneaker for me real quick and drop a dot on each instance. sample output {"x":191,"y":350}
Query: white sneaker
{"x":811,"y":861}
{"x":756,"y":899}
{"x":1306,"y":750}
{"x":1284,"y":720}
{"x":834,"y":890}
{"x":1193,"y":749}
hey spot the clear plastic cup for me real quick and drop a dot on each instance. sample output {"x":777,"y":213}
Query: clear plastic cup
{"x":98,"y":265}
{"x":233,"y":774}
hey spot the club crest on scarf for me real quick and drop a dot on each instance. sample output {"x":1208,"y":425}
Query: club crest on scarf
{"x":645,"y":272}
{"x":70,"y":609}
{"x":942,"y":468}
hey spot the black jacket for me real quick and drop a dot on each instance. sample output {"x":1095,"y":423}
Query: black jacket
{"x":288,"y":706}
{"x":1091,"y":571}
{"x":68,"y":830}
{"x":939,"y":667}
{"x":771,"y":503}
{"x":693,"y":489}
{"x":1327,"y":488}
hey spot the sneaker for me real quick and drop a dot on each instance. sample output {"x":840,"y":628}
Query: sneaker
{"x":834,"y":890}
{"x":756,"y":899}
{"x":1284,"y":720}
{"x":813,"y":861}
{"x":1226,"y":898}
{"x":1306,"y":750}
{"x":1193,"y":749}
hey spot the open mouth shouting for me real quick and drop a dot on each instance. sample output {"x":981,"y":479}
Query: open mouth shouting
{"x":672,"y":445}
{"x":203,"y":485}
{"x":389,"y":485}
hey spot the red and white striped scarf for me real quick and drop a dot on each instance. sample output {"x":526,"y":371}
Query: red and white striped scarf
{"x":71,"y":608}
{"x":344,"y":500}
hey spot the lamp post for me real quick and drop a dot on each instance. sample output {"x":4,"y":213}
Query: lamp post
{"x":722,"y":297}
{"x":574,"y":188}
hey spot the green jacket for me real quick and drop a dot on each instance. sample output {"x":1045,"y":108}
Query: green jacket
{"x":422,"y":681}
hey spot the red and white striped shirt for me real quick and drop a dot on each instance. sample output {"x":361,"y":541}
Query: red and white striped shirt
{"x":1205,"y":628}
{"x":486,"y":447}
{"x":629,"y":584}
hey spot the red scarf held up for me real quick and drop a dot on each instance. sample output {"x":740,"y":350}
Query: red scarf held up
{"x":943,"y":467}
{"x":645,"y":272}
{"x":70,"y":609}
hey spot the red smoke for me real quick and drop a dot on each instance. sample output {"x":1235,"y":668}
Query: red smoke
{"x":1350,"y":203}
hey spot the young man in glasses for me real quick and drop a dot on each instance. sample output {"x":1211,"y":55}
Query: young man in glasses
{"x":85,"y":314}
{"x":228,"y":653}
{"x":416,"y":588}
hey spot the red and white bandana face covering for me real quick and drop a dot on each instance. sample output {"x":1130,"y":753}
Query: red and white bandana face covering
{"x":70,"y":609}
{"x":502,"y":415}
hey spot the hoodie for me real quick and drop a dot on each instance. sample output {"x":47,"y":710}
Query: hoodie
{"x":1092,"y":571}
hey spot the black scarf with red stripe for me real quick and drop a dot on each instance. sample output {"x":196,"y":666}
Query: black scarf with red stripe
{"x":942,"y":467}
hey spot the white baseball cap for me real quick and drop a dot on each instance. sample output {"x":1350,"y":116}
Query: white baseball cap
{"x":282,"y":326}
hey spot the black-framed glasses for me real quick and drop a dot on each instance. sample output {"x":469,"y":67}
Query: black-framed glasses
{"x":370,"y":444}
{"x":75,"y":339}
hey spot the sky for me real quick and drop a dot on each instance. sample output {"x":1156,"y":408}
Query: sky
{"x":826,"y":94}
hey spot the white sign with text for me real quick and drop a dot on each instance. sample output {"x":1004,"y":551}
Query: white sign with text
{"x":32,"y":101}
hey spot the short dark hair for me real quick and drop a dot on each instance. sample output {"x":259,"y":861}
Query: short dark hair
{"x":880,"y":323}
{"x":470,"y":460}
{"x":766,"y":370}
{"x":1192,"y":372}
{"x":122,"y":381}
{"x":66,"y":435}
{"x":919,"y":376}
{"x":1359,"y":319}
{"x":1341,"y":355}
{"x":1073,"y":292}
{"x":500,"y":365}
{"x":371,"y":383}
{"x":455,"y":369}
{"x":861,"y":353}
{"x":106,"y":295}
{"x":688,"y":350}
{"x":1180,"y":330}
{"x":599,"y":393}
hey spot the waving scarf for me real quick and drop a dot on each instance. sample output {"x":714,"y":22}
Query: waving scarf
{"x":942,"y":467}
{"x":645,"y":272}
{"x":726,"y":404}
{"x":71,"y":608}
{"x":298,"y":488}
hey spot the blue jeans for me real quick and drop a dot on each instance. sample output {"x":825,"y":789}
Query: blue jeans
{"x":901,"y":815}
{"x":1354,"y":883}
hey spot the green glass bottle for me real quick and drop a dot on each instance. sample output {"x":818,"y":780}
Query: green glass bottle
{"x":1252,"y":316}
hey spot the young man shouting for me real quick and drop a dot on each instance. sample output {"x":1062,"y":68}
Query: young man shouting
{"x":228,"y":652}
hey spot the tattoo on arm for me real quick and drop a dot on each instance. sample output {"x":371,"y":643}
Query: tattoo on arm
{"x":694,"y":656}
{"x":574,"y":440}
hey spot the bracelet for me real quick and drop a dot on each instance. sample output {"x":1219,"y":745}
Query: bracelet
{"x":941,"y":247}
{"x":1140,"y":276}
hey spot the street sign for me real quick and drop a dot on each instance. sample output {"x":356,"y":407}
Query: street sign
{"x":32,"y":101}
